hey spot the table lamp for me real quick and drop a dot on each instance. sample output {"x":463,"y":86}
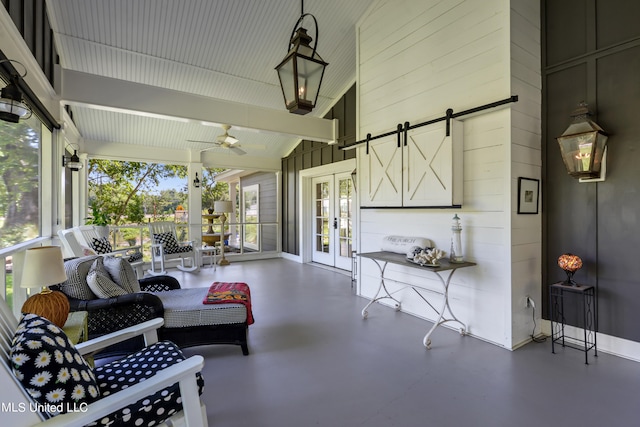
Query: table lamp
{"x":44,"y":266}
{"x":570,"y":263}
{"x":222,"y":207}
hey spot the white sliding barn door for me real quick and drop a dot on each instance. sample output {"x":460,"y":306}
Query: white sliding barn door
{"x":381,"y":173}
{"x":433,"y":166}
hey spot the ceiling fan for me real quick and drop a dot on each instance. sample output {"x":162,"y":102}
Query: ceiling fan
{"x":225,"y":140}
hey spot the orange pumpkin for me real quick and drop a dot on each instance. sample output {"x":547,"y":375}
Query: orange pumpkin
{"x":52,"y":305}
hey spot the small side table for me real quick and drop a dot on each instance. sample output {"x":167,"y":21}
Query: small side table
{"x":587,"y":294}
{"x":211,"y":252}
{"x":76,"y":327}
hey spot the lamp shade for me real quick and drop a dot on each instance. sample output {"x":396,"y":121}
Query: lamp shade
{"x":43,"y":266}
{"x":222,"y":206}
{"x":582,"y":145}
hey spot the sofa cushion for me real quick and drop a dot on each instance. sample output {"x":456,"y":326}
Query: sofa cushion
{"x":135,"y":368}
{"x":49,"y":367}
{"x":183,"y":307}
{"x":122,"y":273}
{"x":76,"y":285}
{"x":100,"y":282}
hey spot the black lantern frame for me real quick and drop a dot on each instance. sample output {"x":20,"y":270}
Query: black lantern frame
{"x":12,"y":107}
{"x":72,"y":162}
{"x":301,"y":71}
{"x":583,"y":145}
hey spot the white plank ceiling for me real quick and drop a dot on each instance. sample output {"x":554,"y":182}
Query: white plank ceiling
{"x":222,"y":49}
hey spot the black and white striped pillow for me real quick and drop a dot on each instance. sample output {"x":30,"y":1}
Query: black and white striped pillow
{"x":100,"y":281}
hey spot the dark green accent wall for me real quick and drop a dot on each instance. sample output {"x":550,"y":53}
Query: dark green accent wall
{"x":310,"y":154}
{"x":591,"y":52}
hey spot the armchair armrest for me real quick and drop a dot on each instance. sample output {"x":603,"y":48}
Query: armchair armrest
{"x":148,"y":329}
{"x":183,"y":372}
{"x":158,"y":283}
{"x":111,"y":314}
{"x":142,"y":298}
{"x":123,"y":251}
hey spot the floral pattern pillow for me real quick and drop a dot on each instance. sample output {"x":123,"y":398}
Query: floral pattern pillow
{"x":50,"y":368}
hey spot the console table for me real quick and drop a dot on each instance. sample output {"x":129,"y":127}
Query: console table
{"x":382,"y":259}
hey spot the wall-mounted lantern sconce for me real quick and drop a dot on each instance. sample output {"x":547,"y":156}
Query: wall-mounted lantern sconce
{"x":72,"y":162}
{"x":12,"y":108}
{"x":301,"y":70}
{"x":196,"y":181}
{"x":583,"y":147}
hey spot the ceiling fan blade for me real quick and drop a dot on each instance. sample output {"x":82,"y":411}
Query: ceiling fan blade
{"x":237,"y":150}
{"x":204,"y":142}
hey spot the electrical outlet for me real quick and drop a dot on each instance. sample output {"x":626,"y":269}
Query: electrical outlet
{"x":530,"y":302}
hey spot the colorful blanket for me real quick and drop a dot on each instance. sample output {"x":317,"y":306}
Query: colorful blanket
{"x":230,"y":293}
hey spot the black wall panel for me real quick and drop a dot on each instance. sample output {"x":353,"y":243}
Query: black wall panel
{"x":617,"y":21}
{"x":619,"y":196}
{"x":597,"y":221}
{"x":310,"y":154}
{"x":566,"y":33}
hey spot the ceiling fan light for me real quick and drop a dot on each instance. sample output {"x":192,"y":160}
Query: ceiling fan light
{"x":228,"y":139}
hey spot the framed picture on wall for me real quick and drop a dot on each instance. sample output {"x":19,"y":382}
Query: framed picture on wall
{"x":528,"y":195}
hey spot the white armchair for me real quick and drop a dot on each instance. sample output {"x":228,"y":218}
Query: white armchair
{"x":165,"y":246}
{"x":78,"y":241}
{"x":179,"y":384}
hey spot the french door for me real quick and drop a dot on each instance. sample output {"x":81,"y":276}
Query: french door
{"x":332,"y":222}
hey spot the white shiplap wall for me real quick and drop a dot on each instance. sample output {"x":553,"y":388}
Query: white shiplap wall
{"x":526,"y":161}
{"x":417,"y":58}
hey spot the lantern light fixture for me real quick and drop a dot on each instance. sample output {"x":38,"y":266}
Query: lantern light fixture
{"x":583,"y":146}
{"x":196,"y":181}
{"x":72,"y":162}
{"x":301,"y":71}
{"x":12,"y":107}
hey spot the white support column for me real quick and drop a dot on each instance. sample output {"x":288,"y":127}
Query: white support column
{"x":79,"y":189}
{"x":194,"y":203}
{"x":233,"y":216}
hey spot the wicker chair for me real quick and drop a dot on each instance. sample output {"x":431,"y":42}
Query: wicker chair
{"x":158,"y":293}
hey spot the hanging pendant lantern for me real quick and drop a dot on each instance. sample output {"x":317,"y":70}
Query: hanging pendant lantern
{"x":301,"y":71}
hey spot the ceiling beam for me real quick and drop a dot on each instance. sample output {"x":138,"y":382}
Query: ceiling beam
{"x":132,"y":152}
{"x":106,"y":93}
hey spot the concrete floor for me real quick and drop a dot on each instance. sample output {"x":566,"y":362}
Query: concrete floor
{"x":315,"y":362}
